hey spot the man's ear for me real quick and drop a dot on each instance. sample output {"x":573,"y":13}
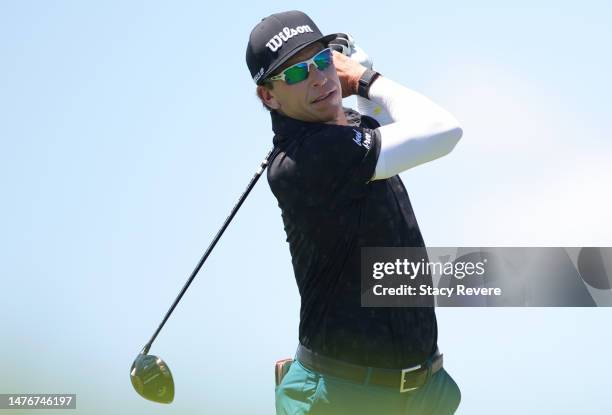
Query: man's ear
{"x":267,"y":97}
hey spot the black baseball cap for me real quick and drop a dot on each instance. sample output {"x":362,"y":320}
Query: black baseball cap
{"x":277,"y":38}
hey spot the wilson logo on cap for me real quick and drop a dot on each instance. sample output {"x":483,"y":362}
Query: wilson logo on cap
{"x":287,"y":33}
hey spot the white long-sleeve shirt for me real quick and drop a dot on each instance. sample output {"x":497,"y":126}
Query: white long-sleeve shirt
{"x":417,"y":130}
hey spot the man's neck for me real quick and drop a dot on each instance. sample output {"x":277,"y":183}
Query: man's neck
{"x":340,"y":118}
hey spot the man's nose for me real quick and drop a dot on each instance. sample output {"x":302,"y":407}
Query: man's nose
{"x":317,"y":77}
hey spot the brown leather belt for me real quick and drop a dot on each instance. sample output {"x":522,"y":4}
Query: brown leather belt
{"x":406,"y":380}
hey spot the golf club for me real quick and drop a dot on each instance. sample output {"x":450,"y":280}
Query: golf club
{"x":149,"y":374}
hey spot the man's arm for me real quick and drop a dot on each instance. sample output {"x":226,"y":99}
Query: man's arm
{"x":421,"y":130}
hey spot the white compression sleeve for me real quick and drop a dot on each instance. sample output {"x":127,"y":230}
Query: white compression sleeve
{"x":374,"y":110}
{"x":421,"y":130}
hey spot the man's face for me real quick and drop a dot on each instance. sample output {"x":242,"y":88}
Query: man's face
{"x":315,"y":99}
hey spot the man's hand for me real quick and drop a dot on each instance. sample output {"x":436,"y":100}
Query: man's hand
{"x":349,"y":72}
{"x":345,"y":44}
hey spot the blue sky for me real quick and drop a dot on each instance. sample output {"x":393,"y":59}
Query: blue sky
{"x":129,"y":129}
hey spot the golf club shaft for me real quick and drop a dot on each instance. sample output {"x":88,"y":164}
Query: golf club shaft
{"x":261,"y":169}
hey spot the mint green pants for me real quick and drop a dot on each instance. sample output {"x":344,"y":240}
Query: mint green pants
{"x":303,"y":391}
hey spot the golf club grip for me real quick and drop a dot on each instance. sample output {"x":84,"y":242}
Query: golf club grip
{"x":261,"y":169}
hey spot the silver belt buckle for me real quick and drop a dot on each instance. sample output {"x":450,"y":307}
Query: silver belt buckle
{"x":403,"y":378}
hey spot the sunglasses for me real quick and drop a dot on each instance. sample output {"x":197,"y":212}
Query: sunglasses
{"x":299,"y":72}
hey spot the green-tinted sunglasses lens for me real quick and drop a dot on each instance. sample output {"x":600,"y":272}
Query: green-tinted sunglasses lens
{"x":296,"y":73}
{"x":323,"y":59}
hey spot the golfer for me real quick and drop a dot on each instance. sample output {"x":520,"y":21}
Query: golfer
{"x":335,"y":177}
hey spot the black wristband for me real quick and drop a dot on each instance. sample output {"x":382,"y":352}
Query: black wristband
{"x":365,"y":81}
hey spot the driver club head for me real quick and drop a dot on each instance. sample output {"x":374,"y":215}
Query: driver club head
{"x":152,"y":379}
